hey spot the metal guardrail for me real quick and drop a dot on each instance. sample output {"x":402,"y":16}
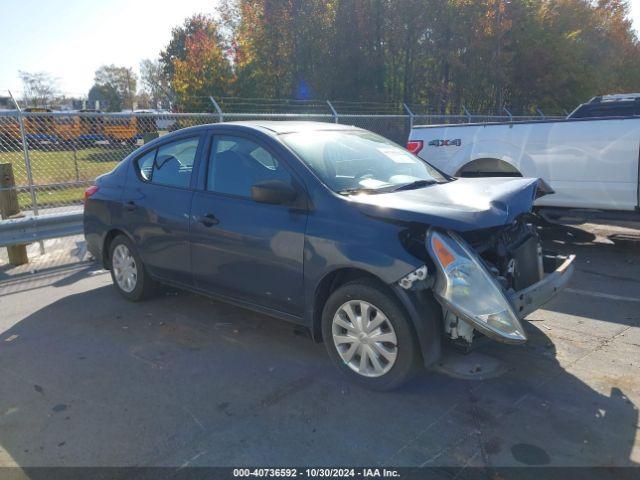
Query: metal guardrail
{"x":20,"y":231}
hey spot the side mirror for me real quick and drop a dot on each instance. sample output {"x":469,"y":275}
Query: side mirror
{"x":275,"y":192}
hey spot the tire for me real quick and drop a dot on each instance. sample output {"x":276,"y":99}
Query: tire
{"x":123,"y":261}
{"x":395,"y":369}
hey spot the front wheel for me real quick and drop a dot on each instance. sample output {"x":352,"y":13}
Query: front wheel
{"x":127,"y":270}
{"x":369,"y":336}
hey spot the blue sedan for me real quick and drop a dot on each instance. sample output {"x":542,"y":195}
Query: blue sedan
{"x":335,"y":228}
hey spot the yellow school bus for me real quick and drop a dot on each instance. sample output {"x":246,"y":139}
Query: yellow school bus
{"x":40,"y":129}
{"x":145,"y":124}
{"x":120,"y":129}
{"x":9,"y":130}
{"x":68,"y":127}
{"x":91,"y":128}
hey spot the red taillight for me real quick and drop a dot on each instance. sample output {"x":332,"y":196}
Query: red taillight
{"x":90,"y":191}
{"x":414,"y":146}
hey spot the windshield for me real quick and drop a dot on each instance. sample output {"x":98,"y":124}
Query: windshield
{"x":352,"y":161}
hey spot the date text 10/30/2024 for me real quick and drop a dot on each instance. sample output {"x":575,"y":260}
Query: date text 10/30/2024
{"x":316,"y":472}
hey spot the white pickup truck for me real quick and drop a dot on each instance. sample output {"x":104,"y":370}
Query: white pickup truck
{"x":591,"y":163}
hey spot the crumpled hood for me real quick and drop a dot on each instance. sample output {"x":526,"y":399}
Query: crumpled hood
{"x":461,"y":205}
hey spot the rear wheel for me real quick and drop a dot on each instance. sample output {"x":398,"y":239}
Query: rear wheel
{"x":127,"y":270}
{"x":369,"y":336}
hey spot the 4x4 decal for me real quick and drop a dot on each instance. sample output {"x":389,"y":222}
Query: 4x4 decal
{"x":445,"y":143}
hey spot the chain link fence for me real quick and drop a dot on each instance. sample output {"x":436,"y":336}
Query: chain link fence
{"x":54,"y":156}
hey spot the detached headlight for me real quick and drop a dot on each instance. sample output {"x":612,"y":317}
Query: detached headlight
{"x":470,"y":291}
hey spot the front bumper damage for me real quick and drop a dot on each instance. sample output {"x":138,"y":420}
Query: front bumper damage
{"x":474,"y":295}
{"x":535,"y":296}
{"x":558,"y":271}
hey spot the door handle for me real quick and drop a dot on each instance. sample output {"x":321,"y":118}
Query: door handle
{"x":130,"y":205}
{"x":209,"y":220}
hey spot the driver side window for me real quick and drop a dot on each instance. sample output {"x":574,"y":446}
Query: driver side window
{"x":237,"y":163}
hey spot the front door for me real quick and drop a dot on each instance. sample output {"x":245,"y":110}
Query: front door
{"x":240,"y":248}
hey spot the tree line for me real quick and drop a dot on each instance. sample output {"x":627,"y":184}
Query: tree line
{"x":437,"y":55}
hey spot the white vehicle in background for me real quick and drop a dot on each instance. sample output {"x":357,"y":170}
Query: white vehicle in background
{"x":163,"y":121}
{"x":591,"y":163}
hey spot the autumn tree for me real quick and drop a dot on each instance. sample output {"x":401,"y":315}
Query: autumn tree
{"x":197,"y":63}
{"x":442,"y":54}
{"x":262,"y":49}
{"x":619,"y":52}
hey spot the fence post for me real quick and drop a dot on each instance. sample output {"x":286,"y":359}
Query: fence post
{"x":9,"y":208}
{"x":27,"y":162}
{"x":467,"y":113}
{"x":75,"y":161}
{"x":25,"y":152}
{"x":410,"y":113}
{"x":218,"y":109}
{"x":333,"y":112}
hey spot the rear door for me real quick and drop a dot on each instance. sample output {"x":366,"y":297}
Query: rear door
{"x":249,"y":251}
{"x":156,"y":204}
{"x":590,"y":163}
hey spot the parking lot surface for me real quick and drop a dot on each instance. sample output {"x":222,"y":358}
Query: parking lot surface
{"x":88,"y":379}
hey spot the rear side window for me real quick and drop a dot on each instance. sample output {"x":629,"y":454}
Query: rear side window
{"x":145,"y":165}
{"x":171,"y":164}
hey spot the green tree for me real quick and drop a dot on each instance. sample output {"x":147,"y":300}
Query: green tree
{"x":356,"y":50}
{"x":122,"y":81}
{"x":155,"y":84}
{"x":107,"y":97}
{"x":282,"y":49}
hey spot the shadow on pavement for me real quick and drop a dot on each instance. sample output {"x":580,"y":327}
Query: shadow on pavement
{"x":606,"y":283}
{"x":58,"y":276}
{"x":91,"y":380}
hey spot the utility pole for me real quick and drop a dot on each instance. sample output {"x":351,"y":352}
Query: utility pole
{"x":129,"y":94}
{"x":498,"y":29}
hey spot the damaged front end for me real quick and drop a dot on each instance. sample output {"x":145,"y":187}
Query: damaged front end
{"x":490,"y":280}
{"x":483,"y":258}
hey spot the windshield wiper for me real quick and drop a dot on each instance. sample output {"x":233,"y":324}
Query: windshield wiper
{"x":351,"y":191}
{"x":416,"y":184}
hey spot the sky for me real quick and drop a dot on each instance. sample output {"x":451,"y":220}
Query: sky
{"x":635,"y":14}
{"x":70,"y":39}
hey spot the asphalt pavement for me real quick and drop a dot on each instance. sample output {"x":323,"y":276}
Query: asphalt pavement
{"x":87,"y":379}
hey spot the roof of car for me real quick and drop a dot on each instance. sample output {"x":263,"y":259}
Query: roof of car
{"x":617,"y":97}
{"x":268,"y":127}
{"x":280,"y":127}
